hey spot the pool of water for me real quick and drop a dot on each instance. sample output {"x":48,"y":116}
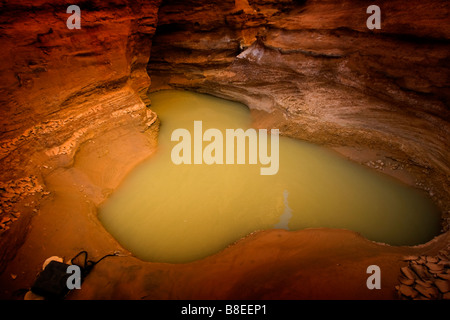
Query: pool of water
{"x":165,"y":212}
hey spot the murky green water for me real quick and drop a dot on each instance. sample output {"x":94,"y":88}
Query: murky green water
{"x":178,"y":213}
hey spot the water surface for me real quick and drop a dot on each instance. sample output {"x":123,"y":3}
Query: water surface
{"x":178,"y":213}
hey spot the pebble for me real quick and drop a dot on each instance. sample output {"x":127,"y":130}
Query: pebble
{"x":430,"y":293}
{"x":435,"y":271}
{"x":442,"y":285}
{"x":406,"y":281}
{"x":420,"y":271}
{"x":410,"y":258}
{"x":408,"y":273}
{"x":426,"y":284}
{"x":407,"y":291}
{"x":5,"y":220}
{"x":444,"y":276}
{"x":435,"y":267}
{"x":425,"y":277}
{"x":421,"y":260}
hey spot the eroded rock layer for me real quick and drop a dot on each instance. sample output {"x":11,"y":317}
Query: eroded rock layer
{"x":321,"y":74}
{"x":60,"y":87}
{"x":74,"y":121}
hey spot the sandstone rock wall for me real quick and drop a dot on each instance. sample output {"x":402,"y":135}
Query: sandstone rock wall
{"x":320,"y":73}
{"x":310,"y":68}
{"x":61,"y":87}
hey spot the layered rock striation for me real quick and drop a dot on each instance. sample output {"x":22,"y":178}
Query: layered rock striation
{"x":75,"y":119}
{"x":61,"y":87}
{"x":314,"y":70}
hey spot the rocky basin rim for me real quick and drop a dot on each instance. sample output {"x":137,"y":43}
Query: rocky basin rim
{"x":311,"y":69}
{"x":59,"y":242}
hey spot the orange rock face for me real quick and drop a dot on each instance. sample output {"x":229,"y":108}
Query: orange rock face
{"x":320,"y":74}
{"x":60,"y":87}
{"x":48,"y":65}
{"x":75,"y":119}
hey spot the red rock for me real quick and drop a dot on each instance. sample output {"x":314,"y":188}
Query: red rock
{"x":407,"y":291}
{"x":408,"y":273}
{"x":443,"y":285}
{"x":428,"y":292}
{"x":312,"y":66}
{"x":406,"y":281}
